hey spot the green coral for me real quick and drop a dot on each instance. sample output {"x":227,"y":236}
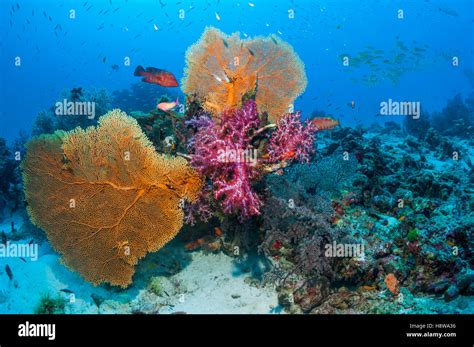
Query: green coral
{"x":413,"y":234}
{"x":50,"y":305}
{"x":155,"y":286}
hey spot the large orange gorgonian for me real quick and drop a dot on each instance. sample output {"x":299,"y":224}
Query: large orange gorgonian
{"x":104,"y":197}
{"x":222,"y":69}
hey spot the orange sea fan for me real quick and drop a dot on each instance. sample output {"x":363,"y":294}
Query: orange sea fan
{"x":104,"y":197}
{"x":221,"y":69}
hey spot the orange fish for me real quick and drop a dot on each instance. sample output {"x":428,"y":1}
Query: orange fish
{"x":218,"y":231}
{"x":156,"y":76}
{"x":193,"y":245}
{"x":325,"y":123}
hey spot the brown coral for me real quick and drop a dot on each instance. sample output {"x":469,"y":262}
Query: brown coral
{"x":222,"y":69}
{"x":104,"y":197}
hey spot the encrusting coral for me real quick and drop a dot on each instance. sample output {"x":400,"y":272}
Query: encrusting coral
{"x":221,"y":70}
{"x":104,"y":197}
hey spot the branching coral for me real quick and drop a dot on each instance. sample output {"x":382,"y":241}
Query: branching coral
{"x":222,"y":69}
{"x":104,"y":197}
{"x":235,"y":150}
{"x":292,"y":139}
{"x":218,"y":153}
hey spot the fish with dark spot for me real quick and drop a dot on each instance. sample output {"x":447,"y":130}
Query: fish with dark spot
{"x":23,"y":259}
{"x":225,"y":43}
{"x":4,"y":238}
{"x":65,"y":290}
{"x":274,"y":41}
{"x":251,"y":52}
{"x":9,"y":272}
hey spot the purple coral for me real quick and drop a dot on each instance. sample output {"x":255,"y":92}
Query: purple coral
{"x":200,"y":210}
{"x":292,"y":139}
{"x":223,"y":152}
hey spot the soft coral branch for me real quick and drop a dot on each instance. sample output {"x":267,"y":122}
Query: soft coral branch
{"x":237,"y":131}
{"x":292,"y":139}
{"x":233,"y":132}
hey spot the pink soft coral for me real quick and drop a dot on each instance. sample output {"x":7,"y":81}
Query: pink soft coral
{"x":292,"y":139}
{"x":221,"y":152}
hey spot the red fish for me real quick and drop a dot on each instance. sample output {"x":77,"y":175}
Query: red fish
{"x":325,"y":123}
{"x":156,"y":76}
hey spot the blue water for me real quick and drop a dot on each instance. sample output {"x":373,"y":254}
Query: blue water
{"x":59,"y":53}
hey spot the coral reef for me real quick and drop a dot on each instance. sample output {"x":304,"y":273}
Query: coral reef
{"x":238,"y":148}
{"x":231,"y":178}
{"x":104,"y":196}
{"x":408,"y":202}
{"x":51,"y":305}
{"x":456,"y":119}
{"x":222,"y":70}
{"x":8,"y":185}
{"x":292,"y":139}
{"x":47,"y":121}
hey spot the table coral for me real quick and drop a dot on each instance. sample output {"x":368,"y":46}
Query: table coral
{"x":104,"y":197}
{"x":221,"y":70}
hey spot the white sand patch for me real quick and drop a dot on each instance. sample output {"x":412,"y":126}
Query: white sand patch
{"x":210,"y":283}
{"x":214,"y":285}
